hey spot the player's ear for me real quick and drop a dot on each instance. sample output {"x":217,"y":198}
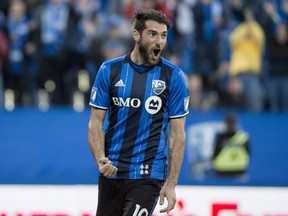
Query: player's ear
{"x":136,"y":35}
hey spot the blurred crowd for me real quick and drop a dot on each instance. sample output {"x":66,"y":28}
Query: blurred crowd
{"x":234,"y":52}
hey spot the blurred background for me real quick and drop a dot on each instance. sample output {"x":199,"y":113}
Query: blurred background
{"x":235,"y":56}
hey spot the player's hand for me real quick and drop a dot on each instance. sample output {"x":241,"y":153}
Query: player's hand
{"x":106,"y":168}
{"x":168,"y":192}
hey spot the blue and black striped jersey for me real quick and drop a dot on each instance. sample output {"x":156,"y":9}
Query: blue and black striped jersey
{"x":139,"y":105}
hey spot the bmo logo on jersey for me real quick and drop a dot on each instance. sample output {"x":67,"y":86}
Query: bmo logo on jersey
{"x":153,"y":104}
{"x":128,"y":102}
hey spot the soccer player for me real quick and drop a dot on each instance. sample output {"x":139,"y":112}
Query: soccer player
{"x":145,"y":97}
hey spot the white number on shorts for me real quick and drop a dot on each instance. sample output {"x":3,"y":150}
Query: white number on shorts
{"x":138,"y":212}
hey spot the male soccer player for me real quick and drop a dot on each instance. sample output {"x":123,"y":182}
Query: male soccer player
{"x":142,"y":94}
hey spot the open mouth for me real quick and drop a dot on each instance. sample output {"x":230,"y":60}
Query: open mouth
{"x":156,"y":51}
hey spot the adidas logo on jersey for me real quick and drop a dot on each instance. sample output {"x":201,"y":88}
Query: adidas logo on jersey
{"x":119,"y":83}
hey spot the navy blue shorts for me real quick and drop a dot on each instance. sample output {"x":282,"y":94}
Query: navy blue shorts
{"x":125,"y":197}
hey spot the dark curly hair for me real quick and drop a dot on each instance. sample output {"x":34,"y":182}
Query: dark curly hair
{"x":141,"y":16}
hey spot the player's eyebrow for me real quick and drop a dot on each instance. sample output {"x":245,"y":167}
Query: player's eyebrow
{"x":156,"y":32}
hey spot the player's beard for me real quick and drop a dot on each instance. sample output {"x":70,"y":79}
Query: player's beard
{"x":144,"y":52}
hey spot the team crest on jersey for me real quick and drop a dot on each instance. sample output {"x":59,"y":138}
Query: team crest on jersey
{"x":158,"y":86}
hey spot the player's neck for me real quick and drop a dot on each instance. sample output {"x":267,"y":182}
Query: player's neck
{"x":137,"y":58}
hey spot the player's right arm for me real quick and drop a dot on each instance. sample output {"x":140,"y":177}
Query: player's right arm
{"x":97,"y":142}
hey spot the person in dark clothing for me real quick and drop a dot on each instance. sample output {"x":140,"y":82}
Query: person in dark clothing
{"x":208,"y":19}
{"x":232,"y":152}
{"x":277,"y":69}
{"x":53,"y":25}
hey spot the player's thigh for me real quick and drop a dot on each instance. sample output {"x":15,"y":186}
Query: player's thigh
{"x":110,"y":198}
{"x":142,"y":197}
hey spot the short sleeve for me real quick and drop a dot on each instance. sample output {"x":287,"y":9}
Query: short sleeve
{"x":100,"y":97}
{"x":178,"y":100}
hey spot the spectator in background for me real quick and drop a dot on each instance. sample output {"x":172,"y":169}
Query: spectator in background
{"x":180,"y":46}
{"x":19,"y":77}
{"x":94,"y":53}
{"x":112,"y":6}
{"x":115,"y":33}
{"x":271,"y":8}
{"x":283,"y":9}
{"x":247,"y":47}
{"x":232,"y":149}
{"x":113,"y":49}
{"x":195,"y":92}
{"x":117,"y":28}
{"x":95,"y":31}
{"x":85,"y":31}
{"x":232,"y":96}
{"x":84,"y":49}
{"x":181,"y":29}
{"x":208,"y":19}
{"x":4,"y":50}
{"x":238,"y":10}
{"x":278,"y":69}
{"x":53,"y":28}
{"x":199,"y":99}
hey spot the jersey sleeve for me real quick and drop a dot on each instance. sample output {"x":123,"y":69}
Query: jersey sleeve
{"x":178,"y":100}
{"x":100,"y":97}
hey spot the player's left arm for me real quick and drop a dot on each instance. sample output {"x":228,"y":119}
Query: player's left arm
{"x":176,"y":149}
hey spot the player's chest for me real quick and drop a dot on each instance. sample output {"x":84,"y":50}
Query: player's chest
{"x":134,"y":90}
